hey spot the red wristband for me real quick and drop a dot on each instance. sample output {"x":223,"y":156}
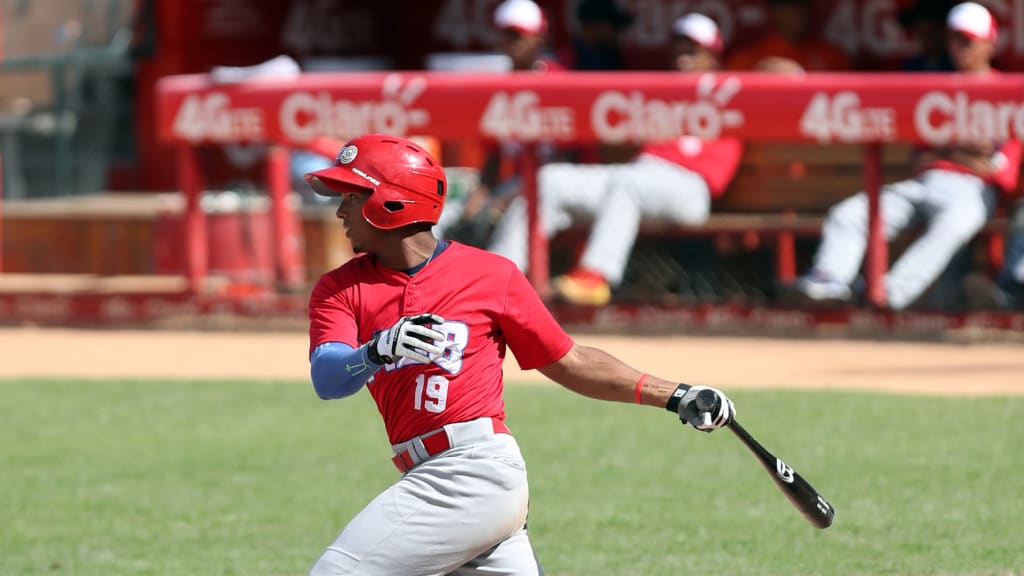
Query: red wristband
{"x":639,"y":388}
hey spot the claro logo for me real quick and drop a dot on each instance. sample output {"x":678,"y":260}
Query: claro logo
{"x":306,"y":115}
{"x":618,"y":116}
{"x":941,"y":118}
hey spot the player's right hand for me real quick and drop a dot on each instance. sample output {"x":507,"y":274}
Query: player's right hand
{"x":410,"y":337}
{"x":706,"y":414}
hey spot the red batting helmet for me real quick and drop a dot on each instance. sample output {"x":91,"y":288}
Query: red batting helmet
{"x":406,"y":184}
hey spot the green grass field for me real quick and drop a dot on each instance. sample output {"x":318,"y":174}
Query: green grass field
{"x":207,"y":478}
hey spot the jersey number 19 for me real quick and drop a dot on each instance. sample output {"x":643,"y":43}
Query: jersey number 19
{"x":432,"y":392}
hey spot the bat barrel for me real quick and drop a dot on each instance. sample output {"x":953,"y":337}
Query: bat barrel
{"x":804,"y":497}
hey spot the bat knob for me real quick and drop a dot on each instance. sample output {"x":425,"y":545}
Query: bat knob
{"x":707,"y":401}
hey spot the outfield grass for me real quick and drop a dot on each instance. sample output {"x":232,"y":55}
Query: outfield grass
{"x":206,"y":478}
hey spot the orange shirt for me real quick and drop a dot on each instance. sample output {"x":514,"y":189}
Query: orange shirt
{"x":813,"y":54}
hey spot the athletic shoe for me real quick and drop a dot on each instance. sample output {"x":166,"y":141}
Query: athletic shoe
{"x":819,"y":287}
{"x":583,"y":287}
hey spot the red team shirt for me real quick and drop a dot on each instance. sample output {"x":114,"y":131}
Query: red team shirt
{"x":716,"y":160}
{"x":1007,"y":167}
{"x":488,"y":306}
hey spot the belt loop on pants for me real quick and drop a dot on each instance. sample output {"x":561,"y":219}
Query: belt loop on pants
{"x":428,"y":445}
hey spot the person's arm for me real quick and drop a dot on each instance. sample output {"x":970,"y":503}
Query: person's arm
{"x":481,"y":193}
{"x":338,"y":370}
{"x":594,"y":373}
{"x":1008,"y":170}
{"x":490,"y":169}
{"x":539,"y":342}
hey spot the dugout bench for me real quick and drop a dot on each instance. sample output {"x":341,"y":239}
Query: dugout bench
{"x":782,"y":192}
{"x":867,"y":112}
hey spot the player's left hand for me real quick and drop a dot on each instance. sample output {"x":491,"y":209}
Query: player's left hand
{"x":706,"y":416}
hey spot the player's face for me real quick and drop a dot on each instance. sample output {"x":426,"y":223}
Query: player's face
{"x":969,"y":54}
{"x":692,"y":57}
{"x":521,"y":48}
{"x":359,"y":232}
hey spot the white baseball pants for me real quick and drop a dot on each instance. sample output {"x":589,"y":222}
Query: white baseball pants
{"x":952,"y":205}
{"x":616,"y":197}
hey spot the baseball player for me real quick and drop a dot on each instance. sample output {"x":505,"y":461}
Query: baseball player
{"x":954,"y":193}
{"x":424,"y":325}
{"x":673,"y":181}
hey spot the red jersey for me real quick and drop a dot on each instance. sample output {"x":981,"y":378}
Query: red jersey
{"x":1006,"y":160}
{"x":715,"y":160}
{"x":487,"y":305}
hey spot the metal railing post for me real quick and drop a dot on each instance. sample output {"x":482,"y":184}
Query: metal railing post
{"x":537,"y":241}
{"x":194,"y":234}
{"x":877,"y":257}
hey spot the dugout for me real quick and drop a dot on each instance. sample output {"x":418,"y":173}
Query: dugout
{"x":774,"y":209}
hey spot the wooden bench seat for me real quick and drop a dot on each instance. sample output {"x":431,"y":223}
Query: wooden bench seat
{"x":737,"y":223}
{"x":771,"y":224}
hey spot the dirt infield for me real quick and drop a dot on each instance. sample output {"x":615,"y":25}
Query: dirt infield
{"x":981,"y":368}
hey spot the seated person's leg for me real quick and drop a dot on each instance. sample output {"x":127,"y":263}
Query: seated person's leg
{"x":958,"y":206}
{"x":564,"y":191}
{"x":844,"y":239}
{"x":643,"y":189}
{"x":654,"y":190}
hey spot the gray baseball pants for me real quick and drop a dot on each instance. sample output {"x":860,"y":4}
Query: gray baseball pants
{"x":462,"y":512}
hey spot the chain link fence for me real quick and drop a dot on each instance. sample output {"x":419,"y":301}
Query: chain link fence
{"x":66,"y":95}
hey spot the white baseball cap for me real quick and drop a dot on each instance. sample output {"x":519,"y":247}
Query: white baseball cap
{"x":523,"y":16}
{"x":972,"y":20}
{"x":700,"y":29}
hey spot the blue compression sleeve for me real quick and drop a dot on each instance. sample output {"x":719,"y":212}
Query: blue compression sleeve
{"x":338,"y":370}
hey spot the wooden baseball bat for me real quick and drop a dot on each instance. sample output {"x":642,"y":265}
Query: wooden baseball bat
{"x":800,"y":493}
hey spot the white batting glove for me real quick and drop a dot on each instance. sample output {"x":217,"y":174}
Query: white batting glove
{"x":706,"y":413}
{"x":410,"y":337}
